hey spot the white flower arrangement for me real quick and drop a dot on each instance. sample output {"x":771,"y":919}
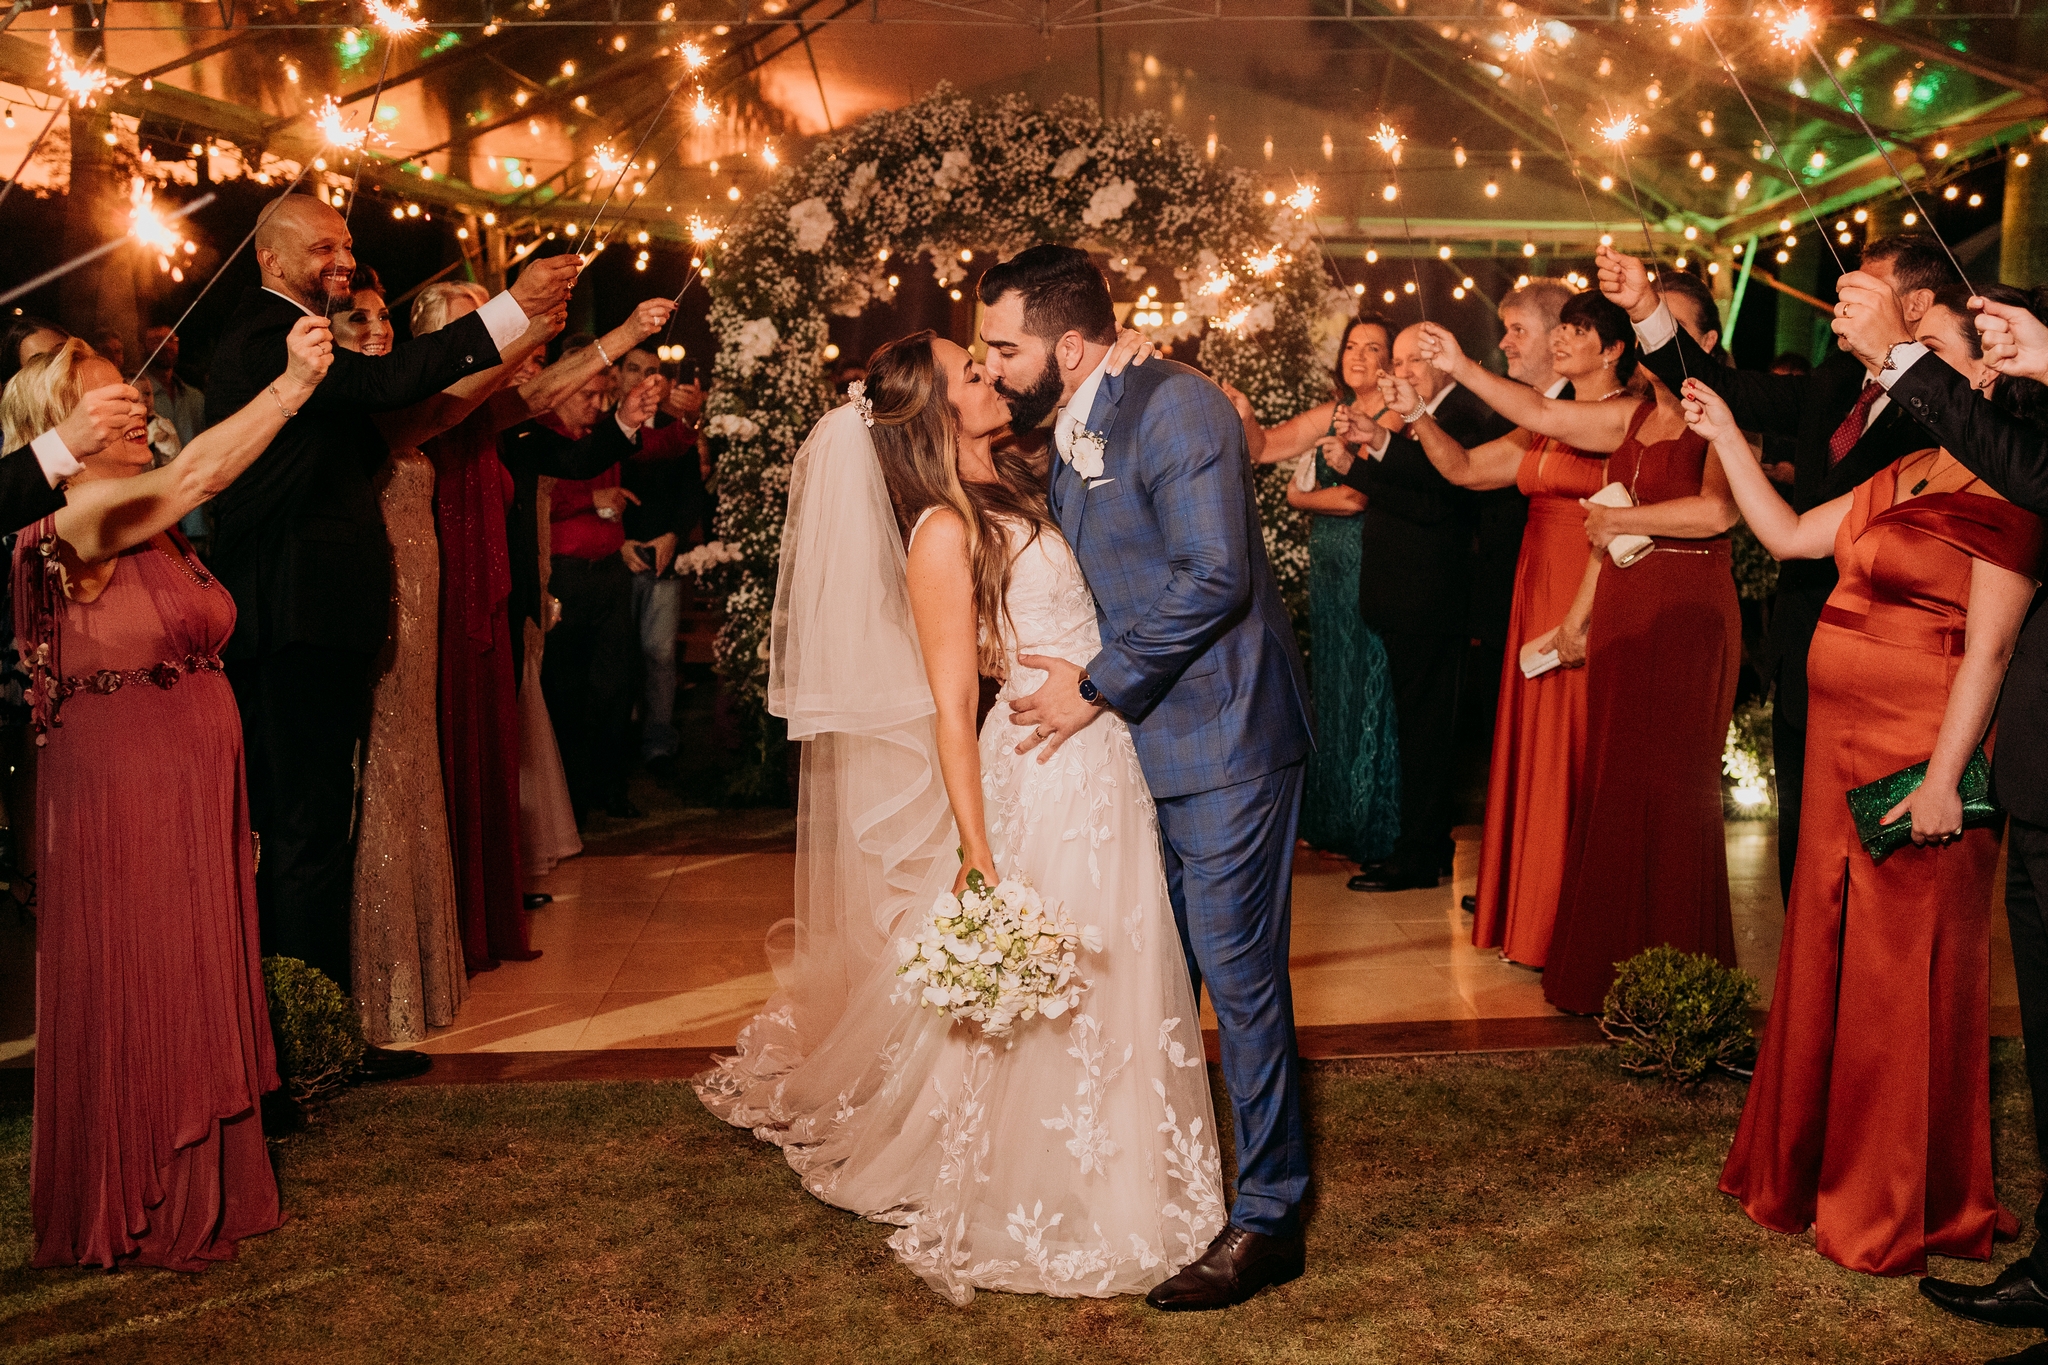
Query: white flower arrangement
{"x":1248,"y":276}
{"x":1107,"y":204}
{"x":995,"y":957}
{"x":811,"y":224}
{"x":701,"y":559}
{"x":1085,"y":454}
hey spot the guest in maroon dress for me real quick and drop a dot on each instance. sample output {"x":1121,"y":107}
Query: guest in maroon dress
{"x":152,"y":1031}
{"x":477,"y":675}
{"x":1869,"y":1119}
{"x":1646,"y":862}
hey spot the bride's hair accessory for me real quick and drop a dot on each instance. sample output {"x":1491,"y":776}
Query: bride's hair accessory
{"x":858,"y":392}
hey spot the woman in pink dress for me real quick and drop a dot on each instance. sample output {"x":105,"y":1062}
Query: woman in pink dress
{"x":152,"y":1031}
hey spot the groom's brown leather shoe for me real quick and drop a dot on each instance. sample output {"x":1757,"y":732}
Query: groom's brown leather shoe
{"x":1237,"y":1265}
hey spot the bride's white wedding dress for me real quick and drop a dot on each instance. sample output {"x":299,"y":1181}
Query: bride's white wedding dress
{"x":1077,"y":1157}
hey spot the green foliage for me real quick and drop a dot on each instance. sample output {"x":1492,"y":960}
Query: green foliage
{"x":1756,"y":571}
{"x":321,"y":1032}
{"x":1680,"y":1015}
{"x":1749,"y":763}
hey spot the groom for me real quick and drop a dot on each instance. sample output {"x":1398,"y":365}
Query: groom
{"x":1151,"y":485}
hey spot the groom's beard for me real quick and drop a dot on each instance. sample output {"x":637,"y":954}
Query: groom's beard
{"x":1030,"y":407}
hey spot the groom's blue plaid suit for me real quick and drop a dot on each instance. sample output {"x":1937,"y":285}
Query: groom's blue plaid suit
{"x":1199,"y":656}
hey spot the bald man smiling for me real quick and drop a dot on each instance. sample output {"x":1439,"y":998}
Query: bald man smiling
{"x":300,"y":544}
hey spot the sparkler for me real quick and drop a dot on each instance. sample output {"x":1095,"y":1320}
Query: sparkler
{"x":1616,"y":132}
{"x":702,"y":114}
{"x":145,"y":226}
{"x":1390,"y":140}
{"x":1799,"y":29}
{"x":1695,"y":16}
{"x":394,"y":22}
{"x":1524,"y":45}
{"x":336,"y":133}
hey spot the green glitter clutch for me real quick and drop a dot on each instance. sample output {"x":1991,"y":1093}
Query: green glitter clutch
{"x":1869,"y":803}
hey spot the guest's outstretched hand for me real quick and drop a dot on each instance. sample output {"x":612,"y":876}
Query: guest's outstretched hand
{"x":1400,"y":397}
{"x":1867,"y":317}
{"x":1626,"y":283}
{"x":1132,"y":348}
{"x":2015,"y":341}
{"x":1437,"y":346}
{"x":309,"y":350}
{"x":650,"y":317}
{"x":544,"y":285}
{"x":640,"y":401}
{"x":102,"y":417}
{"x":1707,"y":412}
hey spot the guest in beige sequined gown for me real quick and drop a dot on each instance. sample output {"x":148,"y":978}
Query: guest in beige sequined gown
{"x":407,"y":947}
{"x":547,"y":822}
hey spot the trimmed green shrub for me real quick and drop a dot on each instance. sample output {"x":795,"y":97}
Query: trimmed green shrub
{"x":321,"y":1032}
{"x":1679,"y":1015}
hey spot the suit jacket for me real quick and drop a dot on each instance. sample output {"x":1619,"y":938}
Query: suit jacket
{"x":25,"y":493}
{"x":1198,"y":651}
{"x":530,"y":450}
{"x":1415,"y":572}
{"x":2013,"y":458}
{"x":1807,"y":408}
{"x":298,"y":539}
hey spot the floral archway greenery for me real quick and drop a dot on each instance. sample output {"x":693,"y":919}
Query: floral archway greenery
{"x":947,"y":175}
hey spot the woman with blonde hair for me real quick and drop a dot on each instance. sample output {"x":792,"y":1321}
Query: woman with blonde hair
{"x":152,"y":1033}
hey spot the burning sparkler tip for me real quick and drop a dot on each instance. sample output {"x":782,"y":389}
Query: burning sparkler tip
{"x":1795,"y":30}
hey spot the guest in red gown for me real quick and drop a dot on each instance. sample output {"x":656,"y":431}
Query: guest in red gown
{"x":152,"y":1032}
{"x":477,"y":678}
{"x":1539,"y":733}
{"x":1646,"y":862}
{"x":1869,"y":1118}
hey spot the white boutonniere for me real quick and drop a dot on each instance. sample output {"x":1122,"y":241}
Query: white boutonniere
{"x":1085,"y":452}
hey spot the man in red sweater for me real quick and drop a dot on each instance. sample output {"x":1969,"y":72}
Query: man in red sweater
{"x":590,"y":674}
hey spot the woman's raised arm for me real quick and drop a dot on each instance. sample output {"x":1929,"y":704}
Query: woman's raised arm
{"x":1785,"y":533}
{"x":1598,"y":427}
{"x":103,"y":517}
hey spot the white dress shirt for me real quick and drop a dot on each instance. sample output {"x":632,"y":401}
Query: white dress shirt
{"x":1656,"y":331}
{"x":54,"y":456}
{"x":1072,"y":418}
{"x":1556,"y":387}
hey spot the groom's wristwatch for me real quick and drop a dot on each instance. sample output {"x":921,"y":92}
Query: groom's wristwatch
{"x":1090,"y":693}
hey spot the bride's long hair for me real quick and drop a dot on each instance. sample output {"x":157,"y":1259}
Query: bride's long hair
{"x":914,"y":435}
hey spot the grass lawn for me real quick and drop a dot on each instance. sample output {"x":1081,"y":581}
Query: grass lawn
{"x":1539,"y":1207}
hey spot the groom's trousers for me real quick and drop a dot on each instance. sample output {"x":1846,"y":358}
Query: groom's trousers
{"x":1230,"y":871}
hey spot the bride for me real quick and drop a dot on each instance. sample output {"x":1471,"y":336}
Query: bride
{"x":1078,"y":1155}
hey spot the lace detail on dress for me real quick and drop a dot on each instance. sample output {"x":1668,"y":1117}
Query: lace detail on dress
{"x":1091,"y":1144}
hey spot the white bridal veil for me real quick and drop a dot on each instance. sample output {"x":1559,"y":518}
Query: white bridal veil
{"x":875,"y":836}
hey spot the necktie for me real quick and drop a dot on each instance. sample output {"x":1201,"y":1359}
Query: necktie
{"x":1851,"y":431}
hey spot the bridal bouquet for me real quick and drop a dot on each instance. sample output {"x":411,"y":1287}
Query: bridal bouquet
{"x":996,"y":955}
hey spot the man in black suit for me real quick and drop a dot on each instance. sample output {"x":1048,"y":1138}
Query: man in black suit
{"x":2012,"y":457}
{"x":300,"y":543}
{"x":1846,"y":429}
{"x":1415,"y":589}
{"x":32,"y":477}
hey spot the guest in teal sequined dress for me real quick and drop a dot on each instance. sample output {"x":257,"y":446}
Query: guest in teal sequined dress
{"x":1352,"y":804}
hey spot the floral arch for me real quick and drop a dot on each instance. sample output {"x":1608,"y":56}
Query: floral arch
{"x":948,"y":173}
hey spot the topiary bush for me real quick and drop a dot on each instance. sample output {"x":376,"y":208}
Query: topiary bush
{"x":1680,"y":1015}
{"x":322,"y":1036}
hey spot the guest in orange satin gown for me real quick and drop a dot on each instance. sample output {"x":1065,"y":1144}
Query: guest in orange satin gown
{"x":1539,"y":723}
{"x":1869,"y":1115}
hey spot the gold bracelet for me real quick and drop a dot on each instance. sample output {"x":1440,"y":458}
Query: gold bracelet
{"x":289,"y":413}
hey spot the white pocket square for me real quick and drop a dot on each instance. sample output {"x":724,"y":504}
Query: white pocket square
{"x":1097,"y":483}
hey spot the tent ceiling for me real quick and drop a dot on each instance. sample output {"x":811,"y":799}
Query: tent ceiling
{"x":493,"y":92}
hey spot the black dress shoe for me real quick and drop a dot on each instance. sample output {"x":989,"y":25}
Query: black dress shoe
{"x":1237,"y":1265}
{"x":1392,"y":877}
{"x":2014,"y":1299}
{"x":390,"y":1064}
{"x":1469,"y":904}
{"x":534,"y":900}
{"x":2037,"y":1354}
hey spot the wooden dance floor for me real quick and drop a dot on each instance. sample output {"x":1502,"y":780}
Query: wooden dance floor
{"x":658,"y":957}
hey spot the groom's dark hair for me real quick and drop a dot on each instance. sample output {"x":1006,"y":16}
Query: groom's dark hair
{"x":1064,"y":291}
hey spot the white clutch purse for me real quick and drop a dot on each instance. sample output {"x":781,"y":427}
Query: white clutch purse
{"x":1623,"y":550}
{"x":1539,"y":656}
